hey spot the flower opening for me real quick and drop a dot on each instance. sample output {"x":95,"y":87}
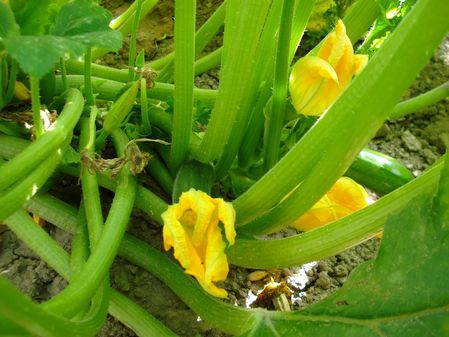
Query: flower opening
{"x":191,"y":227}
{"x":317,"y":81}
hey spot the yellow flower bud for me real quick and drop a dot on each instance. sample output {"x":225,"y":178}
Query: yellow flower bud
{"x":345,"y":197}
{"x":191,"y":228}
{"x":317,"y":81}
{"x":21,"y":92}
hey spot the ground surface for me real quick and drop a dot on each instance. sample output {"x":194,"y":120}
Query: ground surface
{"x":417,"y":141}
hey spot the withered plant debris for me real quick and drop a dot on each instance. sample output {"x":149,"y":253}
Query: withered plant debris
{"x":132,"y":154}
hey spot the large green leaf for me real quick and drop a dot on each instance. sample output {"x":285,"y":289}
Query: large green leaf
{"x":7,"y":22}
{"x":31,"y":16}
{"x":37,"y":55}
{"x":78,"y":24}
{"x":403,"y":292}
{"x":88,"y":23}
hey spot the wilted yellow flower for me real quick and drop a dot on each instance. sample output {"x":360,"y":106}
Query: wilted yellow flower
{"x":191,"y":228}
{"x":345,"y":197}
{"x":317,"y":81}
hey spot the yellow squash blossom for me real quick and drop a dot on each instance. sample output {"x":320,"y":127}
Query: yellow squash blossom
{"x":317,"y":81}
{"x":345,"y":197}
{"x":191,"y":228}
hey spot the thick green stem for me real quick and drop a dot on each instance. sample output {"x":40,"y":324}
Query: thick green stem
{"x":184,"y":62}
{"x":146,"y":126}
{"x":362,"y":14}
{"x":276,"y":117}
{"x":332,"y":238}
{"x":146,"y":200}
{"x":108,"y":90}
{"x":40,"y":149}
{"x":334,"y":137}
{"x":79,"y":293}
{"x":224,"y":316}
{"x":263,"y":70}
{"x":42,"y":203}
{"x":19,"y":309}
{"x":133,"y":41}
{"x":89,"y":183}
{"x":244,"y":22}
{"x":88,"y":90}
{"x":49,"y":250}
{"x":159,"y":172}
{"x":36,"y":106}
{"x":80,"y":249}
{"x":419,"y":102}
{"x":136,"y":318}
{"x":202,"y":37}
{"x":208,"y":62}
{"x":15,"y":196}
{"x":310,"y":246}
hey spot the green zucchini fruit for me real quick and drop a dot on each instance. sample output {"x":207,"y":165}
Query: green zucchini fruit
{"x":378,"y":172}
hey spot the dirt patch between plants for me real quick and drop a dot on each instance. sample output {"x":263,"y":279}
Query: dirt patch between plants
{"x":417,"y":141}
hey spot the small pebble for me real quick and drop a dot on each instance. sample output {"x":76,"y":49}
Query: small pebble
{"x":410,"y":141}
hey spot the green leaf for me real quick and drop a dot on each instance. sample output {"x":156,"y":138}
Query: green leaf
{"x":37,"y":55}
{"x":77,"y":25}
{"x":31,"y":16}
{"x":110,"y":40}
{"x":403,"y":292}
{"x":87,"y":23}
{"x":7,"y":22}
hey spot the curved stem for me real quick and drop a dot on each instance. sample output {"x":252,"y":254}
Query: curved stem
{"x":136,"y":318}
{"x":146,"y":200}
{"x":16,"y":307}
{"x":333,"y":238}
{"x":89,"y":182}
{"x":208,"y":62}
{"x":419,"y":102}
{"x":40,"y":149}
{"x":11,"y":81}
{"x":51,"y":252}
{"x":16,"y":195}
{"x":108,"y":90}
{"x":98,"y":264}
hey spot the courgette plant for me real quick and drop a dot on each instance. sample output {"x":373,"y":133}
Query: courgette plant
{"x":238,"y":162}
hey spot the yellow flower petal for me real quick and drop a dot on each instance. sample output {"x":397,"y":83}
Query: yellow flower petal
{"x":191,"y":228}
{"x":345,"y":197}
{"x":360,"y":62}
{"x":175,"y":236}
{"x":317,"y":81}
{"x":226,"y":214}
{"x":310,"y":77}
